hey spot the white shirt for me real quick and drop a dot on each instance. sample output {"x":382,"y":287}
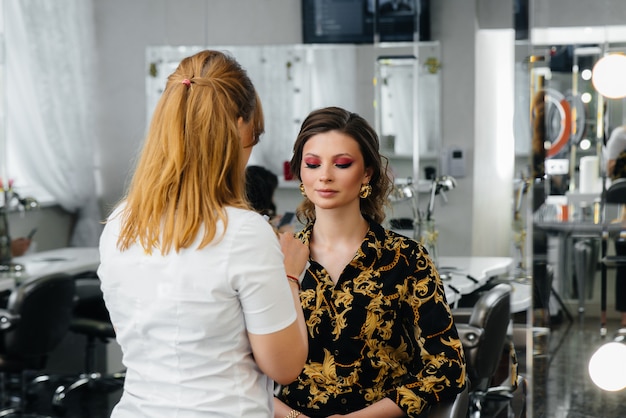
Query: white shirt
{"x":616,"y":143}
{"x":181,"y":320}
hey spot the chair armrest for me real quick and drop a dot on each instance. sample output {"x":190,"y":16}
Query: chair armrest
{"x":8,"y":319}
{"x":462,"y":315}
{"x":469,"y":335}
{"x":452,"y":409}
{"x":499,"y":393}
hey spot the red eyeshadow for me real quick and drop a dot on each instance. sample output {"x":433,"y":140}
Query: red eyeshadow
{"x":343,"y":160}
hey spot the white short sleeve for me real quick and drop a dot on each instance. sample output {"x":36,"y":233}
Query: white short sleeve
{"x":257,"y":273}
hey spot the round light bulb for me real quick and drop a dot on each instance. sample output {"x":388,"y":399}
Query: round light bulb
{"x":608,"y":76}
{"x":585,"y":144}
{"x":607,"y":367}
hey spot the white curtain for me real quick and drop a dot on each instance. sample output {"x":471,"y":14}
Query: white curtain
{"x":50,"y":61}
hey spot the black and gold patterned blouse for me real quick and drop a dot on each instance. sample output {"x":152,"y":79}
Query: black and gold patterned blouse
{"x":385,"y":330}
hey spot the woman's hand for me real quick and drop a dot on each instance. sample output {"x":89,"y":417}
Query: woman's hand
{"x":296,"y":254}
{"x":281,"y":409}
{"x":19,"y":246}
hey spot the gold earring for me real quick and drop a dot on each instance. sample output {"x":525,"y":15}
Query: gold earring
{"x":366,"y":190}
{"x":302,"y":190}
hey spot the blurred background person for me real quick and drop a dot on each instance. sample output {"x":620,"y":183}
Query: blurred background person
{"x":615,"y":155}
{"x":261,"y":185}
{"x":19,"y":246}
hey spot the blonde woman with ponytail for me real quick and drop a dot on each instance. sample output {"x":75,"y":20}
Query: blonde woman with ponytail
{"x":204,"y":304}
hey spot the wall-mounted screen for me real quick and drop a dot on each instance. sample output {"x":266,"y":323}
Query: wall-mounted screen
{"x":360,"y":21}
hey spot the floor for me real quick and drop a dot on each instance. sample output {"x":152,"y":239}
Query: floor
{"x":561,"y":385}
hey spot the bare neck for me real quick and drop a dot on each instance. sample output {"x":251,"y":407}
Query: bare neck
{"x":334,"y":227}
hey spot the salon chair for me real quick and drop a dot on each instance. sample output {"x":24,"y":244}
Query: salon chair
{"x":614,"y":195}
{"x":456,"y":408}
{"x":34,"y":321}
{"x":90,"y":318}
{"x":483,"y":330}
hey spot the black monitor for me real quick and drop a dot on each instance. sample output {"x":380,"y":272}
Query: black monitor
{"x":356,"y":21}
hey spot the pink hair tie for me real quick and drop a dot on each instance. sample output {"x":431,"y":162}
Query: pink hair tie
{"x":186,"y":82}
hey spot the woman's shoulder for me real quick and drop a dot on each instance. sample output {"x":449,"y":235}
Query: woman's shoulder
{"x":239,"y":218}
{"x":117,"y":210}
{"x":620,"y":130}
{"x":244,"y":215}
{"x":407,"y":241}
{"x":389,"y":235}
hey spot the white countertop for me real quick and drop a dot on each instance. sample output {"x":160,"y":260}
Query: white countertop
{"x":460,"y":275}
{"x":72,"y":260}
{"x":463,"y":275}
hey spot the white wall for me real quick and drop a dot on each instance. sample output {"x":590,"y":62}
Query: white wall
{"x":54,"y":226}
{"x":124,"y":28}
{"x":455,"y":27}
{"x":559,"y":13}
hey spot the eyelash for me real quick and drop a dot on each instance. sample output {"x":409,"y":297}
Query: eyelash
{"x":342,"y":166}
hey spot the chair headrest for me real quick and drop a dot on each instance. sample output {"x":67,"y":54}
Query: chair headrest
{"x":494,"y":303}
{"x":616,"y":193}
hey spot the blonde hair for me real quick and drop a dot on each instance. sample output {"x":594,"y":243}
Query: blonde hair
{"x":190,"y":167}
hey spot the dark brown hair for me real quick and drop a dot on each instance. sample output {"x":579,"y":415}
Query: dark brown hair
{"x":619,"y":171}
{"x":340,"y":120}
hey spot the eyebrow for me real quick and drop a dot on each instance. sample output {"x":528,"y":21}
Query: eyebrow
{"x":343,"y":154}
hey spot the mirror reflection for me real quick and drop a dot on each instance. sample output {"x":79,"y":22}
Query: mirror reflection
{"x":577,"y":218}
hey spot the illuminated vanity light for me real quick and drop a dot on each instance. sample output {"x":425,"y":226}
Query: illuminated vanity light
{"x":586,"y":74}
{"x":607,"y":366}
{"x":608,"y":76}
{"x":585,"y":144}
{"x":586,"y":97}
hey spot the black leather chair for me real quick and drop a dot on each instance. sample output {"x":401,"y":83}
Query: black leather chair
{"x":33,"y":323}
{"x":90,"y":318}
{"x":614,"y":195}
{"x":483,"y":330}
